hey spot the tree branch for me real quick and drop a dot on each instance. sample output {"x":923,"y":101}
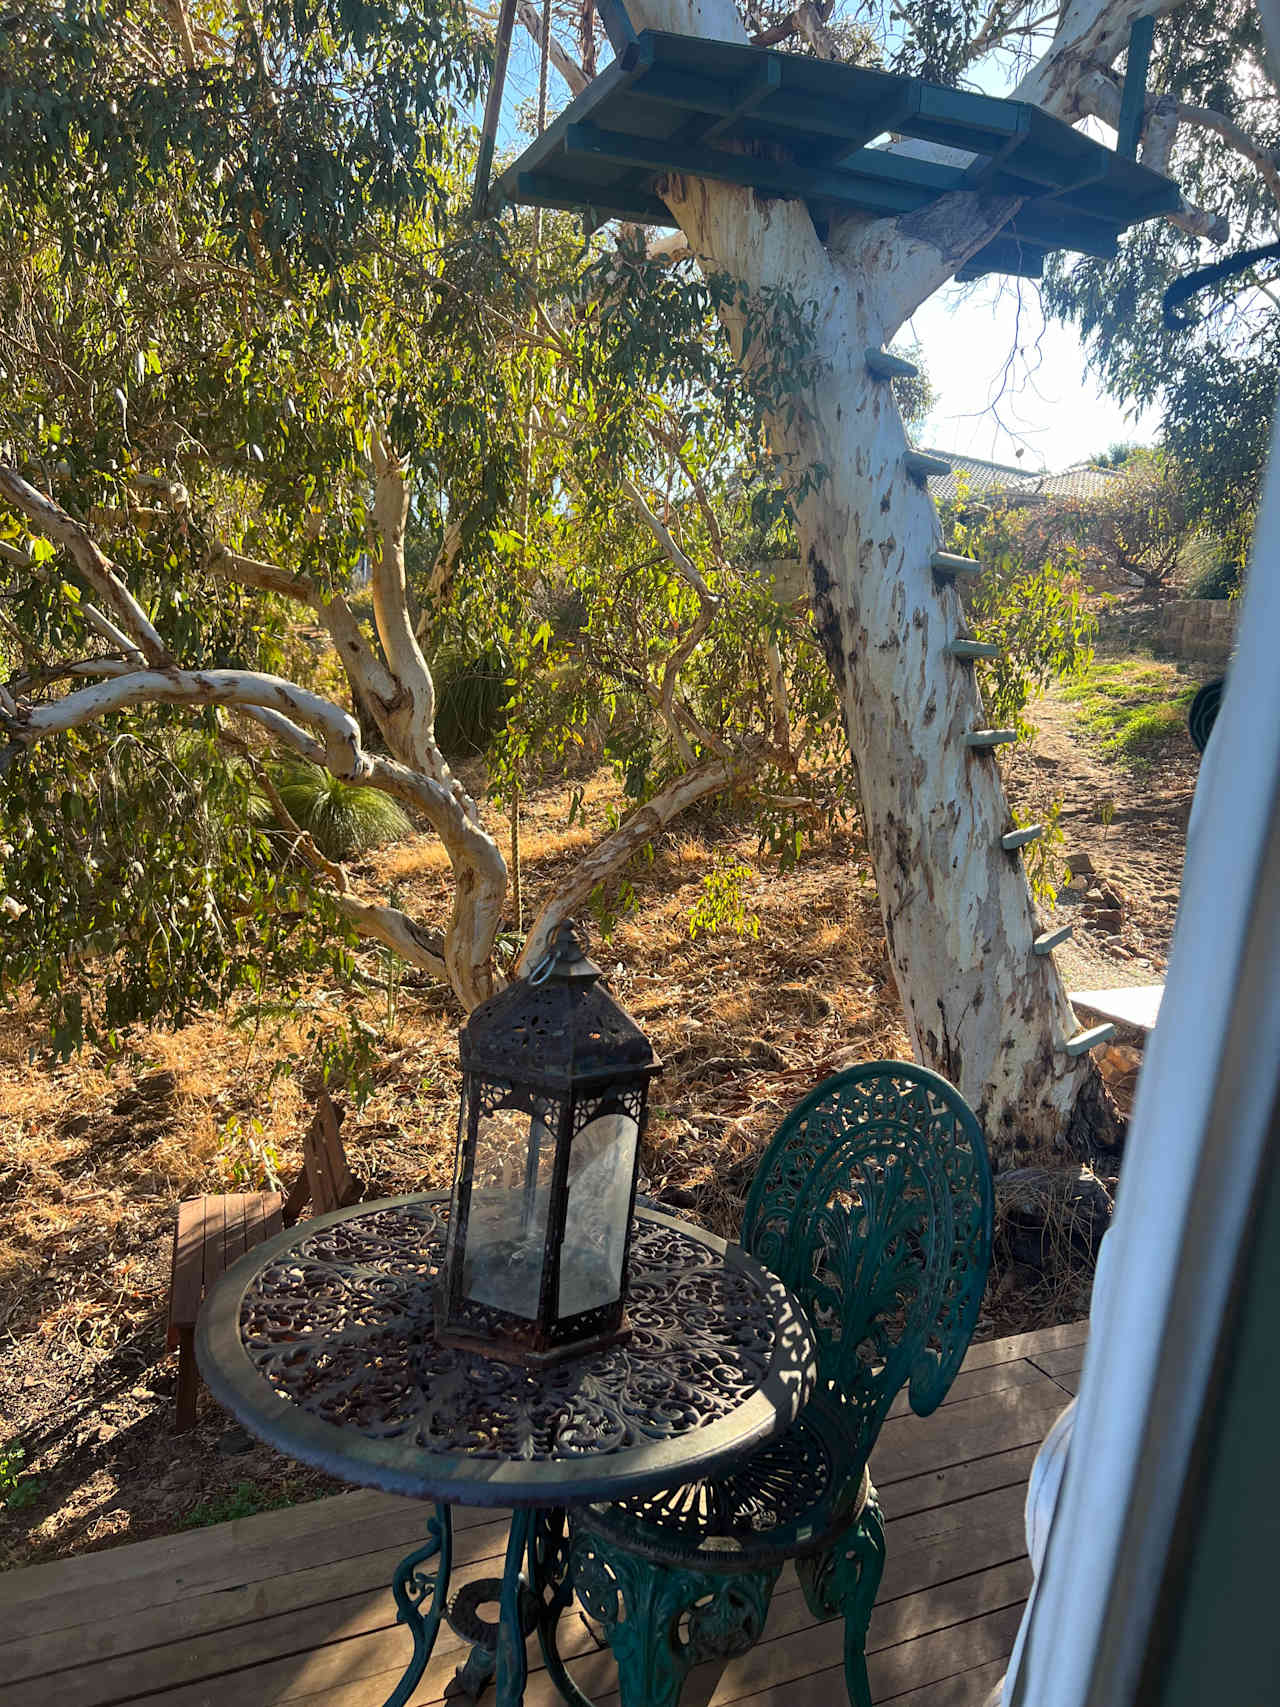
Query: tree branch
{"x":186,"y":45}
{"x":395,"y":930}
{"x":811,"y":26}
{"x":688,"y":570}
{"x":97,"y":620}
{"x":480,"y":872}
{"x":342,"y":752}
{"x":371,"y":681}
{"x":98,"y":570}
{"x":610,"y":855}
{"x":374,"y":920}
{"x":416,"y":731}
{"x":568,"y":68}
{"x":1099,"y":96}
{"x":1236,"y":138}
{"x":778,"y":698}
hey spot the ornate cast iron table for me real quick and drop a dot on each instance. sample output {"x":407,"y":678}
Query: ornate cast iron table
{"x":321,"y":1341}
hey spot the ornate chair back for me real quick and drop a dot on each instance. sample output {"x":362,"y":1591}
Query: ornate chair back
{"x":873,"y":1203}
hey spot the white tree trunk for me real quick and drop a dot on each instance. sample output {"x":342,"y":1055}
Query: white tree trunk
{"x":958,"y":913}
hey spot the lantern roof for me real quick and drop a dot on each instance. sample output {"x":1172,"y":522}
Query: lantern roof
{"x":559,"y":1026}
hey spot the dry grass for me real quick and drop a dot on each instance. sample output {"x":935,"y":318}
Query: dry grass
{"x":94,"y":1155}
{"x":1044,"y":1246}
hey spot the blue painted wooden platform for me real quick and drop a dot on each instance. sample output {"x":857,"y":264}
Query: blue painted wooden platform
{"x":799,"y":127}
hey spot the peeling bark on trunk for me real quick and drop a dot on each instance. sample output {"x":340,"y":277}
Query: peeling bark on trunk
{"x":980,"y":1006}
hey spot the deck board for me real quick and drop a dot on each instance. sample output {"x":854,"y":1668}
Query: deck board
{"x":1067,"y":1360}
{"x":295,"y":1606}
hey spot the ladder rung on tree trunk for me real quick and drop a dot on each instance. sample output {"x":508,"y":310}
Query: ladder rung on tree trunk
{"x":1013,"y":839}
{"x":946,"y":565}
{"x":921,"y":467}
{"x":885,"y":366}
{"x":983,"y":740}
{"x":1083,"y":1041}
{"x":1047,"y":941}
{"x":971,"y":649}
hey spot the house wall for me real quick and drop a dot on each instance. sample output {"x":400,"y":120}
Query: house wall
{"x":1202,"y":630}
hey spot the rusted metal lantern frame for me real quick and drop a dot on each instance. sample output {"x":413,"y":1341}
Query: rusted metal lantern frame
{"x":555,"y":1079}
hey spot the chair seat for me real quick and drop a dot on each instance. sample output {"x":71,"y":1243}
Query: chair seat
{"x":787,"y":1499}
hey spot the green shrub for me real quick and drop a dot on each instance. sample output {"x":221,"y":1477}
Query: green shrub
{"x":473,"y":691}
{"x":340,"y":817}
{"x":16,"y":1490}
{"x":1214,"y":576}
{"x":245,"y":1500}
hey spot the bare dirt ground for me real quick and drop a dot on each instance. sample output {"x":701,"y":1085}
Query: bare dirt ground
{"x":1135,"y":848}
{"x":94,"y":1155}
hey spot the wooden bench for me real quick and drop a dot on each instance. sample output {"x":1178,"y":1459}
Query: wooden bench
{"x":213,"y":1231}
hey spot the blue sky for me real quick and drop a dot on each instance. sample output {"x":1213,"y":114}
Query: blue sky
{"x":1039,"y":409}
{"x":1012,"y":385}
{"x":1010,"y":382}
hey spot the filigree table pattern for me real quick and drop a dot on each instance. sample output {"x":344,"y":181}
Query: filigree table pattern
{"x":342,"y":1325}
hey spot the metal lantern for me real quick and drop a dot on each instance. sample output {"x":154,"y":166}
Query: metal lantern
{"x":555,"y":1077}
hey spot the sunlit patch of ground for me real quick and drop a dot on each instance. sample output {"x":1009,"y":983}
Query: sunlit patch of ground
{"x":1136,"y":706}
{"x":96,"y":1154}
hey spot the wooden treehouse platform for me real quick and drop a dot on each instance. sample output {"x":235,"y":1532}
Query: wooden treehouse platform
{"x":295,"y":1606}
{"x":793,"y":126}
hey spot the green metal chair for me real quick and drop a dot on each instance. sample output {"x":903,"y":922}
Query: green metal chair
{"x":873,"y":1204}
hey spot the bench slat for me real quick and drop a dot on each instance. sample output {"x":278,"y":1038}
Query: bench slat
{"x":272,"y":1214}
{"x":188,"y":1267}
{"x":236,"y":1240}
{"x":215,"y":1225}
{"x":255,"y":1204}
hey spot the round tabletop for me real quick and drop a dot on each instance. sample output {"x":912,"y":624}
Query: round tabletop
{"x":322,"y":1342}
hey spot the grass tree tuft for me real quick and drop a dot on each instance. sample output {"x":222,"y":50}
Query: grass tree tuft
{"x":342,"y":818}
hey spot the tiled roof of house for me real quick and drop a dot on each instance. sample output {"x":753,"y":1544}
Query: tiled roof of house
{"x":981,"y":479}
{"x":1078,"y":482}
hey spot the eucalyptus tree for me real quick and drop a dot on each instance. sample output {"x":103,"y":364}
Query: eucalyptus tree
{"x":253,"y":351}
{"x":981,"y":1006}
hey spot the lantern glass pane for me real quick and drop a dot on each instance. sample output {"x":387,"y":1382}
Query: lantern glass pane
{"x":506,"y":1232}
{"x":601,"y":1166}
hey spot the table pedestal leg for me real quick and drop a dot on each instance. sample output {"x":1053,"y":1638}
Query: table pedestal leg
{"x":549,"y":1571}
{"x":471,"y":1677}
{"x":498,"y":1645}
{"x":518,"y":1614}
{"x":412,"y":1587}
{"x":533,"y":1592}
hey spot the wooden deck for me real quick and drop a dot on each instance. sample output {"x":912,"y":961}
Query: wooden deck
{"x":294,"y":1606}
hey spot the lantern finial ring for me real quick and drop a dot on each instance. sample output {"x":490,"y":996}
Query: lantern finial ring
{"x":545,"y":967}
{"x":564,"y":946}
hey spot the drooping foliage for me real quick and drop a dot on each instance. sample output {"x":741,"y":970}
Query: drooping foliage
{"x":1216,"y":380}
{"x":241,"y":264}
{"x":140,"y":887}
{"x":291,"y":123}
{"x":1029,"y":602}
{"x":195,"y":289}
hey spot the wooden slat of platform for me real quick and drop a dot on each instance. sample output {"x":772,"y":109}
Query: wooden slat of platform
{"x":295,"y":1606}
